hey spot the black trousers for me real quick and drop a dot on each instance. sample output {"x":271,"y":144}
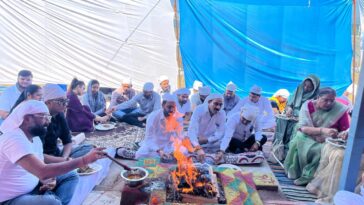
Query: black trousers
{"x":132,"y":119}
{"x":236,"y":146}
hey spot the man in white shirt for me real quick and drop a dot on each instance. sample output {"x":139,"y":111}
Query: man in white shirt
{"x":207,"y":125}
{"x":242,"y":133}
{"x":266,"y":117}
{"x":199,"y":98}
{"x":230,"y":99}
{"x":12,"y":93}
{"x":183,"y":103}
{"x":23,"y":165}
{"x":161,"y":126}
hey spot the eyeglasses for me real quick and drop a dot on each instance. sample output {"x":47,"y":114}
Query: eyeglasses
{"x":44,"y":116}
{"x":61,"y":101}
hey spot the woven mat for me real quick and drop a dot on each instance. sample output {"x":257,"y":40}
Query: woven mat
{"x":123,"y":135}
{"x":291,"y":191}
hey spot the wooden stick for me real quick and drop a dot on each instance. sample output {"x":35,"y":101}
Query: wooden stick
{"x":126,"y":167}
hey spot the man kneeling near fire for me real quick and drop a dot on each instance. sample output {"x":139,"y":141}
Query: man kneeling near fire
{"x":162,"y":126}
{"x":242,"y":134}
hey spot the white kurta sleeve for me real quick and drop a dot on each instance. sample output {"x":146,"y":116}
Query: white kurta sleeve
{"x":270,"y":120}
{"x":229,"y":131}
{"x":219,"y":133}
{"x":258,"y":131}
{"x":194,"y":127}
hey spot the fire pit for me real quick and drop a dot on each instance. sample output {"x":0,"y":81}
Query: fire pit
{"x":194,"y":184}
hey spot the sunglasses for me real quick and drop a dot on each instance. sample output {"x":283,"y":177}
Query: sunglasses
{"x":44,"y":116}
{"x":61,"y":101}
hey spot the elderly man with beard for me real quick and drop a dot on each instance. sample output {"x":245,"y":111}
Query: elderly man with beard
{"x":148,"y":102}
{"x":207,"y":126}
{"x":183,"y":103}
{"x":23,"y":165}
{"x":230,"y":99}
{"x":266,"y":115}
{"x":161,"y":126}
{"x":11,"y":94}
{"x":56,"y":101}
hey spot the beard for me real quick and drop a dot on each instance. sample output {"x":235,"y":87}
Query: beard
{"x":38,"y":130}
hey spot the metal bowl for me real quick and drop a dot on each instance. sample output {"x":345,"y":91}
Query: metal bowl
{"x":143,"y":173}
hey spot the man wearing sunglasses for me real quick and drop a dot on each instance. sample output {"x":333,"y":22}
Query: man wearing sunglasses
{"x":56,"y":101}
{"x":266,"y":115}
{"x":207,"y":126}
{"x":242,"y":133}
{"x":24,"y":169}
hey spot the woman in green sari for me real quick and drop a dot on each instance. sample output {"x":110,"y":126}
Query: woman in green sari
{"x":285,"y":127}
{"x":318,"y":119}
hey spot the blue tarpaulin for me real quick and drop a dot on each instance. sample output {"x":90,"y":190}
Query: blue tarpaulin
{"x":271,"y":43}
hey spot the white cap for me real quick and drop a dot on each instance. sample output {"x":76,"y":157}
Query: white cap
{"x":282,"y":92}
{"x":15,"y":119}
{"x":126,"y":80}
{"x":231,"y":86}
{"x":213,"y":96}
{"x":182,"y":91}
{"x":52,"y":91}
{"x":169,"y":97}
{"x":148,"y":86}
{"x":256,"y":90}
{"x":197,"y":84}
{"x":205,"y":90}
{"x":249,"y":112}
{"x":162,"y":78}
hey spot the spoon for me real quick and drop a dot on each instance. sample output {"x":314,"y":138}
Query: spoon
{"x":126,"y":167}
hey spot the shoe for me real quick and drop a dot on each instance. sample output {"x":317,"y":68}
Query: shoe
{"x":125,"y":153}
{"x":300,"y":182}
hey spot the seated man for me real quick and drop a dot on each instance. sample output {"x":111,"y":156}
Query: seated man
{"x":242,"y":133}
{"x":230,"y":99}
{"x":183,"y":103}
{"x":56,"y":101}
{"x":148,"y":102}
{"x":164,"y":85}
{"x":207,"y":125}
{"x":11,"y":94}
{"x":162,"y":124}
{"x":279,"y":101}
{"x":196,"y":85}
{"x":199,"y":98}
{"x":122,"y":94}
{"x":23,"y":165}
{"x":266,"y":116}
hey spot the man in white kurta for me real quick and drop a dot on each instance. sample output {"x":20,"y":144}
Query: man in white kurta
{"x":207,"y":125}
{"x":242,"y":132}
{"x":12,"y":93}
{"x":161,"y":126}
{"x":183,"y":103}
{"x":266,"y":117}
{"x":199,"y":98}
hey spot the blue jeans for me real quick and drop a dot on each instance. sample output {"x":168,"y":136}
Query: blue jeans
{"x":119,"y":114}
{"x":60,"y":195}
{"x":80,"y":150}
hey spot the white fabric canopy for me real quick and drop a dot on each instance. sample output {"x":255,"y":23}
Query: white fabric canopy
{"x":104,"y":40}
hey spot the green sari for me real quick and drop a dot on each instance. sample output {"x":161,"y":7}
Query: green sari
{"x":304,"y":152}
{"x":285,"y":129}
